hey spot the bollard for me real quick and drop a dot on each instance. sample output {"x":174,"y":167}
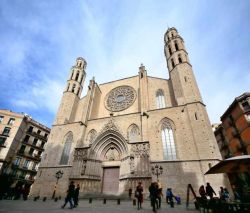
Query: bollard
{"x":59,"y":198}
{"x":56,"y":199}
{"x":118,"y":201}
{"x":134,"y":202}
{"x":44,"y":199}
{"x":104,"y":201}
{"x":90,"y":200}
{"x":34,"y":199}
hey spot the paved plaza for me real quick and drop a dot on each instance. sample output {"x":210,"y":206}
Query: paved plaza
{"x":19,"y":206}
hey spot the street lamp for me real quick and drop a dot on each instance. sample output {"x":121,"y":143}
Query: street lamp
{"x":58,"y":175}
{"x":157,"y":170}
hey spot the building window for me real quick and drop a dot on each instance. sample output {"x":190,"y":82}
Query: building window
{"x":11,"y":121}
{"x":22,"y":149}
{"x":176,"y":46}
{"x":72,"y":74}
{"x":6,"y":131}
{"x":172,"y":61}
{"x":78,"y":91}
{"x":30,"y":129}
{"x":195,"y":115}
{"x":38,"y":131}
{"x":26,"y":139}
{"x":245,"y":105}
{"x":169,"y":150}
{"x":73,"y":88}
{"x":172,"y":34}
{"x":34,"y":141}
{"x":2,"y":141}
{"x":45,"y":135}
{"x":179,"y":58}
{"x":31,"y":151}
{"x":134,"y":133}
{"x":66,"y":149}
{"x":1,"y":118}
{"x":26,"y":164}
{"x":91,"y":136}
{"x":77,"y":75}
{"x":169,"y":49}
{"x":17,"y":161}
{"x":160,"y":99}
{"x":68,"y":87}
{"x":42,"y":144}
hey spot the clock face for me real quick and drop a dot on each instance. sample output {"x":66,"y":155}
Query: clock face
{"x":120,"y":98}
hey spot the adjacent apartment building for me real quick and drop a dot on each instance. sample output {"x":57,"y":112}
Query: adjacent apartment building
{"x":22,"y":142}
{"x":233,"y":135}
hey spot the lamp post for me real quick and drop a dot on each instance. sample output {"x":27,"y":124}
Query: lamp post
{"x":157,"y":170}
{"x":58,"y":175}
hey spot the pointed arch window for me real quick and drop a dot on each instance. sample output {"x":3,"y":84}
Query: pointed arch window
{"x":134,"y":133}
{"x":160,"y":99}
{"x":91,"y":136}
{"x":172,"y":62}
{"x":68,"y":87}
{"x":176,"y":46}
{"x":73,"y":88}
{"x":78,"y":91}
{"x":169,"y":49}
{"x":169,"y":149}
{"x":179,"y":58}
{"x":77,"y":76}
{"x":68,"y":140}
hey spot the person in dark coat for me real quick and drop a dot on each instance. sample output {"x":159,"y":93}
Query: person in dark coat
{"x":202,"y":192}
{"x":153,"y":190}
{"x":76,"y":195}
{"x":210,"y":191}
{"x":139,"y":195}
{"x":70,"y":195}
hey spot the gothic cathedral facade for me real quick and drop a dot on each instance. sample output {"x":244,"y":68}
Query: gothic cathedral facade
{"x":109,"y":140}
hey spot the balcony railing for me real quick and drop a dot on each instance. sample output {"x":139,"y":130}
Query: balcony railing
{"x":35,"y":134}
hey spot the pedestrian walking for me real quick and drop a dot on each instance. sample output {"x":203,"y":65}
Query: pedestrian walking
{"x":70,"y":195}
{"x":202,"y":192}
{"x":139,"y":195}
{"x":76,"y":195}
{"x":159,"y":197}
{"x":210,"y":191}
{"x":153,"y":192}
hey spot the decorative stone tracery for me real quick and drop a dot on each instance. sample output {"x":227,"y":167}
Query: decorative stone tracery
{"x":120,"y":98}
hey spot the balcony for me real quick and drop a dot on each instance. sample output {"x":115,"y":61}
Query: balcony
{"x":35,"y":134}
{"x":31,"y":156}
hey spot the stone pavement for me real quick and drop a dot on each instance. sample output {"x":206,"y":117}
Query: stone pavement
{"x":20,"y":206}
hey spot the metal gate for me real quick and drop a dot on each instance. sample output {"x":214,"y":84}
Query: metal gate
{"x":110,"y":180}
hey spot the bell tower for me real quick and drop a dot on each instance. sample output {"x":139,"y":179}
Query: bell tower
{"x":72,"y":92}
{"x":180,"y":70}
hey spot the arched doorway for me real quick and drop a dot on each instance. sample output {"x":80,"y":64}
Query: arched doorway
{"x":110,"y":149}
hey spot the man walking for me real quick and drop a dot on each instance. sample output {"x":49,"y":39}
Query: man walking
{"x":76,"y":195}
{"x":210,"y":191}
{"x":70,"y":195}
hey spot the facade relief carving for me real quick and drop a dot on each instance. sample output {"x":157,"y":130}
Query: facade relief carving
{"x":80,"y":154}
{"x":140,"y":149}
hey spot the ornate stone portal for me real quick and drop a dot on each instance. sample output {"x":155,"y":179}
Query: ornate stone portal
{"x":111,"y":159}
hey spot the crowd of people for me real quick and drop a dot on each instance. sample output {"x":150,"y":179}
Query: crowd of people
{"x":209,"y":192}
{"x":155,"y":195}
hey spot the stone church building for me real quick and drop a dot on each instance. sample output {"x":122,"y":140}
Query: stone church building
{"x":109,"y":140}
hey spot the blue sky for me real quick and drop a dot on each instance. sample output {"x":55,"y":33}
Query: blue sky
{"x":40,"y":41}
